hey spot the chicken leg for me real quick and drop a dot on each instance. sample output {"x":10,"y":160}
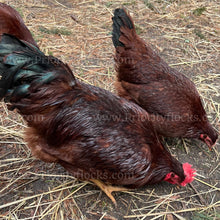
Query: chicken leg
{"x":108,"y":189}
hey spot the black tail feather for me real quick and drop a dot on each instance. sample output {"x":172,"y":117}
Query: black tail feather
{"x":23,"y":65}
{"x":120,"y":19}
{"x":7,"y":79}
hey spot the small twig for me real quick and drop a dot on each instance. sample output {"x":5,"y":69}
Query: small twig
{"x":202,"y":201}
{"x":74,"y":18}
{"x":37,"y":207}
{"x":103,"y":216}
{"x":214,"y":187}
{"x":60,"y":4}
{"x":185,"y":146}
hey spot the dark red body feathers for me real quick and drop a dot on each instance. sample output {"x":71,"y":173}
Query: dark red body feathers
{"x":170,"y":98}
{"x":12,"y":23}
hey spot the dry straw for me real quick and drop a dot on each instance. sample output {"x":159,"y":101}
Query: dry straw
{"x":187,"y":34}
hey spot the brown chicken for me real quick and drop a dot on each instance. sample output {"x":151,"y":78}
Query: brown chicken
{"x":170,"y":98}
{"x":12,"y":23}
{"x":91,"y":132}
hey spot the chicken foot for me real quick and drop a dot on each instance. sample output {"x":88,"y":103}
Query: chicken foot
{"x":108,"y":189}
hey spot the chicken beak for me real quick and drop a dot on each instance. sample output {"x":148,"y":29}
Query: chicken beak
{"x":205,"y":138}
{"x":209,"y":143}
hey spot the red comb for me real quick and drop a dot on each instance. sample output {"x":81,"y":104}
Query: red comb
{"x":189,"y":173}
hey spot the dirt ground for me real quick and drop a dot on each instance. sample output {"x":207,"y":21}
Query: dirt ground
{"x":187,"y":35}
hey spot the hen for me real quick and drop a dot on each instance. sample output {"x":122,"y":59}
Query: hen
{"x":92,"y":133}
{"x":12,"y":23}
{"x":170,"y":98}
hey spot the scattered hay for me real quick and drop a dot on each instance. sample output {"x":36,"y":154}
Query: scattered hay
{"x":79,"y":32}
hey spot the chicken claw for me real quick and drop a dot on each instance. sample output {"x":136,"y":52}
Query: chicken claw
{"x":108,"y":189}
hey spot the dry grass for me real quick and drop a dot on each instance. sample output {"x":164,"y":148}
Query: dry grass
{"x":187,"y":34}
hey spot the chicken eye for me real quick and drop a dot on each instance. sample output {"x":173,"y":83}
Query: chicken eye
{"x":172,"y":175}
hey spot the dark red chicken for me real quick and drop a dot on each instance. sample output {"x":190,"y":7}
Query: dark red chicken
{"x":91,"y":132}
{"x":12,"y":23}
{"x":170,"y":98}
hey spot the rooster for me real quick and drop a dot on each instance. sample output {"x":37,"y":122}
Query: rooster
{"x":12,"y":23}
{"x":92,"y":133}
{"x":170,"y":98}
